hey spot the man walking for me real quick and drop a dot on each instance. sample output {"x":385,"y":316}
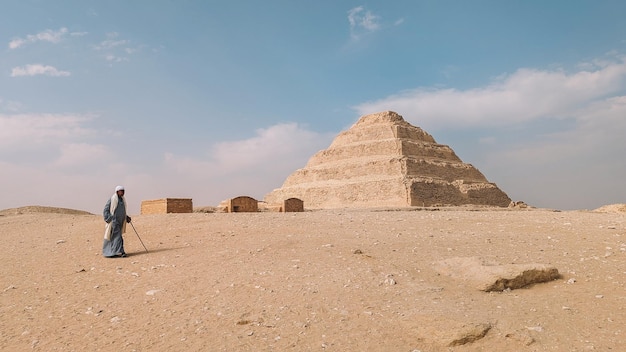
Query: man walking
{"x":115,"y":217}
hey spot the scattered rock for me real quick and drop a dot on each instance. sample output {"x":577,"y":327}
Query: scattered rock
{"x":469,"y":333}
{"x":389,"y":280}
{"x":449,"y":333}
{"x":535,"y":328}
{"x":518,"y":205}
{"x":490,"y":276}
{"x":521,"y":336}
{"x":207,"y":209}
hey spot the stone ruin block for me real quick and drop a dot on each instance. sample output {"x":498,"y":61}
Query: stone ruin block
{"x":242,"y":204}
{"x":167,"y":205}
{"x":292,"y":205}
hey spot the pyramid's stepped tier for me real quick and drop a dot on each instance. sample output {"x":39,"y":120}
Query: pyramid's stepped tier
{"x":380,"y":131}
{"x":364,"y":192}
{"x":429,"y":192}
{"x":383,"y":160}
{"x":349,"y":169}
{"x":386,"y":147}
{"x":391,"y":192}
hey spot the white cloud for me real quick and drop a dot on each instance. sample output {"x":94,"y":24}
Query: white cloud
{"x":23,"y":130}
{"x":574,"y":168}
{"x":274,"y":143}
{"x":34,"y":147}
{"x":13,"y":106}
{"x":81,"y":154}
{"x":282,"y":143}
{"x":48,"y":35}
{"x":110,"y":44}
{"x":362,"y":21}
{"x":67,"y":152}
{"x":10,"y":105}
{"x":113,"y":58}
{"x":549,"y":137}
{"x":523,"y":96}
{"x":16,"y":43}
{"x":252,"y":166}
{"x":116,"y":50}
{"x":50,"y":185}
{"x":38,"y":69}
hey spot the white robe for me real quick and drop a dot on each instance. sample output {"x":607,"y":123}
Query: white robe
{"x":109,"y":225}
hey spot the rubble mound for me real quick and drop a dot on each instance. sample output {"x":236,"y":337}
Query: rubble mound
{"x":42,"y":209}
{"x":612,"y":208}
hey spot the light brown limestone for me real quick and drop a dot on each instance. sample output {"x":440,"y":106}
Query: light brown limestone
{"x":382,"y":160}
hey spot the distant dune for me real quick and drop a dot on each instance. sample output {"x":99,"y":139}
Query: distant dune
{"x":612,"y":208}
{"x":41,"y":209}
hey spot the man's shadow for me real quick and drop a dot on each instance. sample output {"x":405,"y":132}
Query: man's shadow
{"x":137,"y":253}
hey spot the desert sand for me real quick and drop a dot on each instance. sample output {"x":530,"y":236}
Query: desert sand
{"x":327,"y":280}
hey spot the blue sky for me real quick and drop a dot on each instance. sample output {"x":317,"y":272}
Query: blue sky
{"x":214,"y":99}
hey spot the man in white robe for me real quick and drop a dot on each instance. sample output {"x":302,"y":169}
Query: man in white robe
{"x":115,"y":217}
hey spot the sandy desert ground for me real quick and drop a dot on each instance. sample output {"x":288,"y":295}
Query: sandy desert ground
{"x":331,"y":280}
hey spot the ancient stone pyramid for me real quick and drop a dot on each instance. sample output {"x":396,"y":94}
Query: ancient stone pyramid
{"x":384,"y":161}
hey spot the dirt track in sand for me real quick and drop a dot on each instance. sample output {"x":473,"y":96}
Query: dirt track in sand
{"x":316,"y":281}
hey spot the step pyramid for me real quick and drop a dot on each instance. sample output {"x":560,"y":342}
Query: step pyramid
{"x":384,"y":161}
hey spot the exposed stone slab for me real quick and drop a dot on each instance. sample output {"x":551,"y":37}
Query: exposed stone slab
{"x":489,"y":276}
{"x":445,"y":332}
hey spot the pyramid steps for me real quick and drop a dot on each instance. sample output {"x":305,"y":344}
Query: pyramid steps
{"x":382,"y":160}
{"x":349,"y":169}
{"x":386,"y":147}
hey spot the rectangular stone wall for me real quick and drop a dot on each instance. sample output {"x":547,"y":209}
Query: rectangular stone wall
{"x":292,"y":205}
{"x":448,"y":171}
{"x":243,"y":204}
{"x":167,"y":205}
{"x":387,"y":192}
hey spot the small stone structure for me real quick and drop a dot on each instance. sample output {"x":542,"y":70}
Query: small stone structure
{"x":292,"y":205}
{"x":242,"y":204}
{"x":167,"y":205}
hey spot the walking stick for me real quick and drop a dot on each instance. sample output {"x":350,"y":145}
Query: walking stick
{"x":144,"y":246}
